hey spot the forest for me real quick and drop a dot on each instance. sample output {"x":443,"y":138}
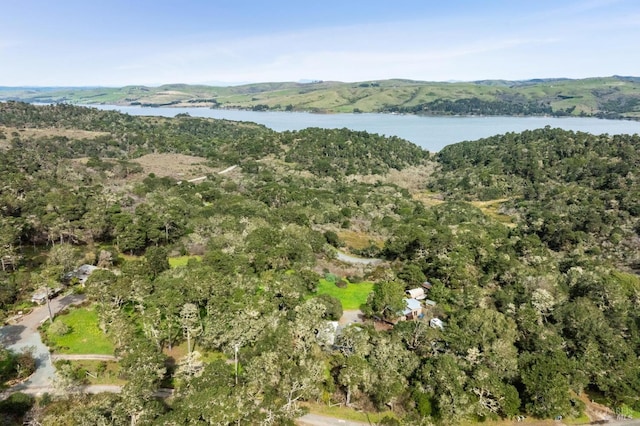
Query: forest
{"x":529,"y":242}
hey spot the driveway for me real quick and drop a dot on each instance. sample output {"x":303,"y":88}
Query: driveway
{"x":25,"y":334}
{"x":351,"y":316}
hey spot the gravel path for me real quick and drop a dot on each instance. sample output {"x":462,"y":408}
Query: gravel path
{"x":83,"y":357}
{"x":356,"y":260}
{"x":317,"y":420}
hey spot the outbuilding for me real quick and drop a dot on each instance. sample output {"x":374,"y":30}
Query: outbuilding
{"x":417,"y":293}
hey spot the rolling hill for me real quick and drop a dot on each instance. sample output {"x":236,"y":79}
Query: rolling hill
{"x":615,"y":97}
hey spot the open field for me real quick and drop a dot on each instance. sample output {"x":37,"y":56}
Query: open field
{"x":351,"y":297}
{"x":85,"y":337}
{"x":177,"y":166}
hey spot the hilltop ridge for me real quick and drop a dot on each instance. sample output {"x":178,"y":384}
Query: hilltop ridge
{"x":616,"y":97}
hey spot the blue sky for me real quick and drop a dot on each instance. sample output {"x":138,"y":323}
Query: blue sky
{"x":116,"y":42}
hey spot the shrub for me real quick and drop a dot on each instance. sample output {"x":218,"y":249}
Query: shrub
{"x":59,"y":328}
{"x":332,"y":239}
{"x":342,"y":283}
{"x":25,"y":363}
{"x":333,"y":305}
{"x":332,"y":278}
{"x":45,"y":399}
{"x":18,"y":404}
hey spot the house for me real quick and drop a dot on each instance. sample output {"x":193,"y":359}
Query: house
{"x":82,"y":273}
{"x":426,"y":285}
{"x":413,"y":309}
{"x":417,"y":293}
{"x":436,"y":323}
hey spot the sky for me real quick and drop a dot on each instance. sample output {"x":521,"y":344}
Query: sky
{"x":153,"y":42}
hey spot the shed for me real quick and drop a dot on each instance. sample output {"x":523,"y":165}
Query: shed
{"x":417,"y":293}
{"x":426,"y":285}
{"x":413,"y":309}
{"x":430,"y":303}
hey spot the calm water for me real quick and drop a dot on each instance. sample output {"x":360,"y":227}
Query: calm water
{"x":431,"y":133}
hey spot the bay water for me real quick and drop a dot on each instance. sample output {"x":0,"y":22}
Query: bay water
{"x":430,"y":133}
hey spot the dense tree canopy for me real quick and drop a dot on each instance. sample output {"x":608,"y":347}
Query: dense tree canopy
{"x":530,"y":248}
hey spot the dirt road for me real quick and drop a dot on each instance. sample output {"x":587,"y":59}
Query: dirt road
{"x":317,"y":420}
{"x":356,"y":260}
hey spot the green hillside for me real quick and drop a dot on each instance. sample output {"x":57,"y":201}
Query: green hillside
{"x":607,"y":97}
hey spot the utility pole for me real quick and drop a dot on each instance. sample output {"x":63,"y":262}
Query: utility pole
{"x":46,"y":289}
{"x":235,"y":350}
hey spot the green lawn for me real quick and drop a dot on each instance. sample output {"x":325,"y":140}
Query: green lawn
{"x":174,"y":262}
{"x":346,"y":413}
{"x":85,"y":336}
{"x":351,"y":297}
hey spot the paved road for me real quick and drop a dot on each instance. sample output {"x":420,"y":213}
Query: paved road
{"x":25,"y":334}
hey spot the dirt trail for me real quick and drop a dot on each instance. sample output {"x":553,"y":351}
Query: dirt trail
{"x":84,"y":357}
{"x":356,"y":260}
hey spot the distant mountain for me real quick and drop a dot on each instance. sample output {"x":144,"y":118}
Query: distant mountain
{"x":604,"y":97}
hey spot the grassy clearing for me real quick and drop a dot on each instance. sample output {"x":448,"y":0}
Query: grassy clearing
{"x":358,"y":240}
{"x":85,"y":336}
{"x":346,"y":413}
{"x":179,"y":351}
{"x":178,"y":166}
{"x":429,"y":199}
{"x":351,"y":297}
{"x":101,"y":372}
{"x":490,"y":208}
{"x":175,"y":262}
{"x":129,"y":257}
